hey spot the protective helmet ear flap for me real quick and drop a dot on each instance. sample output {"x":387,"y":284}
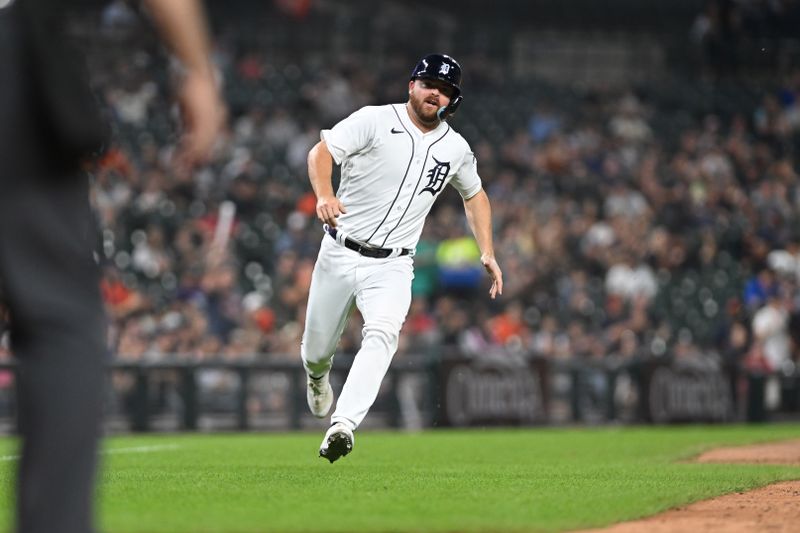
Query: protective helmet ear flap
{"x":450,"y":109}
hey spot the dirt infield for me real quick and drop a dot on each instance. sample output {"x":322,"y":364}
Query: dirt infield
{"x":778,"y":453}
{"x":774,"y":508}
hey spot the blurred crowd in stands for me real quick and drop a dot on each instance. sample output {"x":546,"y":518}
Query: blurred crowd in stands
{"x":649,"y":221}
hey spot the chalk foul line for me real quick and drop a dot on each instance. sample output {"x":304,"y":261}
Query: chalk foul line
{"x":114,"y":451}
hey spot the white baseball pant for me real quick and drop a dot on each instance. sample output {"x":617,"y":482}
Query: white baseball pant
{"x":381,"y":289}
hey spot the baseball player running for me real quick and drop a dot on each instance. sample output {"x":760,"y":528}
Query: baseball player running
{"x":395,"y":159}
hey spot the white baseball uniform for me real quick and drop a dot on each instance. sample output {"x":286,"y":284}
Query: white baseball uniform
{"x":392,"y":173}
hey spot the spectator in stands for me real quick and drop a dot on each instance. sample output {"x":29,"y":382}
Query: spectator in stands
{"x":759,"y":288}
{"x":771,"y":331}
{"x":631,"y":279}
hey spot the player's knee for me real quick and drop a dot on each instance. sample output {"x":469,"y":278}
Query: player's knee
{"x":316,"y":350}
{"x":384,"y":335}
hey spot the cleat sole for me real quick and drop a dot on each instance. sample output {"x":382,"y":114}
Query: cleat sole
{"x":339,"y":445}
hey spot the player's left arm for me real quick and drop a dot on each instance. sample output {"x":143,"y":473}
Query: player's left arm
{"x":479,"y":216}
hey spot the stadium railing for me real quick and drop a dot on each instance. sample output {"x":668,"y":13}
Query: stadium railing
{"x":452,"y":391}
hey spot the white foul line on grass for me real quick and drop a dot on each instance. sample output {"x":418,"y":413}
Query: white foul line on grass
{"x":142,"y":449}
{"x":113,"y":451}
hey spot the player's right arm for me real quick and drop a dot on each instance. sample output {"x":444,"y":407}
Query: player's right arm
{"x":320,"y":172}
{"x":349,"y":137}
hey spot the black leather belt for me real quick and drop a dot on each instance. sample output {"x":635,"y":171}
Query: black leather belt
{"x":366,"y":250}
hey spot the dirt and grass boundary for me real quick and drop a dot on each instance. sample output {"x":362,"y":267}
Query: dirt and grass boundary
{"x":773,"y":508}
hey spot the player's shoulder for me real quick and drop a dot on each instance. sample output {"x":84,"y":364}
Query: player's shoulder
{"x":365,"y":111}
{"x":371,"y":114}
{"x":386,"y":112}
{"x":374,"y":110}
{"x":457,"y":139}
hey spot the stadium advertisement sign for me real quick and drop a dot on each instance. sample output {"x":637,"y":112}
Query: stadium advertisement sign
{"x":675,"y":392}
{"x":491,"y":391}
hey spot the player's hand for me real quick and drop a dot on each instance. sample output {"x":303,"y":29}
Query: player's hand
{"x":203,"y":115}
{"x":491,"y":266}
{"x":328,"y":209}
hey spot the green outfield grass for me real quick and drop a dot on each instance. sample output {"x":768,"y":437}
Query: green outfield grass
{"x":482,"y":480}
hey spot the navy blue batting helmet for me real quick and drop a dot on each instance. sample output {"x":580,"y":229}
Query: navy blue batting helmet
{"x":443,"y":68}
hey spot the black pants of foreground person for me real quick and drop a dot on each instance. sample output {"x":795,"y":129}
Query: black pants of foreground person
{"x":49,"y":280}
{"x":50,"y":283}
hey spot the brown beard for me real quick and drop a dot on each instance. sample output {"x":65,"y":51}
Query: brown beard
{"x":417,"y":105}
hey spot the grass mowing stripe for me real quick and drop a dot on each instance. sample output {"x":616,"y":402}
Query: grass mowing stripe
{"x":480,"y":480}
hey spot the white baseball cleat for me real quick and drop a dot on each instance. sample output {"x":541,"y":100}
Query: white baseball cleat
{"x":319,"y":395}
{"x":338,"y":442}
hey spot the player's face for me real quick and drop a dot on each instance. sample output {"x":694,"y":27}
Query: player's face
{"x":427,"y":96}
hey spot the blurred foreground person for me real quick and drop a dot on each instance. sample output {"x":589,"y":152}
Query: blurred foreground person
{"x":49,"y":124}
